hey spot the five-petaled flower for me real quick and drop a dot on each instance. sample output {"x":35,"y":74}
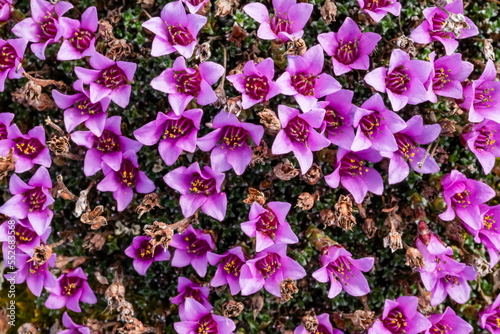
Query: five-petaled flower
{"x":228,"y":268}
{"x":489,"y":318}
{"x":190,"y":290}
{"x":337,"y":124}
{"x":11,"y":55}
{"x":483,"y":140}
{"x":26,"y":238}
{"x":489,"y":233}
{"x":196,"y":318}
{"x":79,"y":36}
{"x":144,"y":254}
{"x":448,"y":322}
{"x":377,"y":9}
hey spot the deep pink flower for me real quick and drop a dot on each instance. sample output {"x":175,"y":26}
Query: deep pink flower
{"x":26,"y":239}
{"x":79,"y":36}
{"x":182,"y":83}
{"x":490,"y":317}
{"x":197,"y":319}
{"x":489,"y":233}
{"x":324,"y":326}
{"x":144,"y":255}
{"x":483,"y":140}
{"x":5,"y":122}
{"x":11,"y":55}
{"x":378,"y":9}
{"x":228,"y":268}
{"x":190,"y":290}
{"x":337,"y":124}
{"x":349,"y":48}
{"x":72,"y":327}
{"x":449,"y":323}
{"x":230,"y":141}
{"x":5,"y":6}
{"x":194,"y":6}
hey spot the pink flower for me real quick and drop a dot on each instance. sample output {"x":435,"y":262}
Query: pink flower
{"x":191,"y":248}
{"x":144,"y":255}
{"x":80,"y":36}
{"x":71,"y":289}
{"x":11,"y":55}
{"x":228,"y":268}
{"x":378,"y":9}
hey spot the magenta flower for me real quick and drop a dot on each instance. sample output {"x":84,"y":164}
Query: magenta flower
{"x":448,"y":322}
{"x":228,"y":268}
{"x":287,"y":22}
{"x":401,"y":316}
{"x":5,"y":10}
{"x":304,"y":78}
{"x":71,"y":289}
{"x":355,"y":176}
{"x":489,"y":233}
{"x":376,"y":126}
{"x":464,"y":195}
{"x":5,"y":122}
{"x":349,"y":48}
{"x":46,"y":26}
{"x":378,"y":9}
{"x":191,"y":248}
{"x":79,"y":36}
{"x":31,"y":200}
{"x":298,"y":134}
{"x":175,"y":30}
{"x":197,"y":319}
{"x":194,"y":6}
{"x":337,"y":124}
{"x":267,"y":224}
{"x":26,"y":239}
{"x":72,"y":327}
{"x":255,"y":83}
{"x":490,"y":317}
{"x":343,"y":272}
{"x":482,"y":96}
{"x":12,"y":52}
{"x":230,"y":142}
{"x":434,"y":28}
{"x":120,"y":182}
{"x":108,"y":78}
{"x":176,"y":133}
{"x":403,"y":81}
{"x":447,"y":75}
{"x":324,"y":326}
{"x":144,"y":255}
{"x":433,"y":250}
{"x":78,"y":109}
{"x":199,"y":188}
{"x":415,"y":133}
{"x":268,"y":269}
{"x":107,"y":148}
{"x":482,"y":140}
{"x":190,"y":290}
{"x":182,"y":83}
{"x":29,"y":149}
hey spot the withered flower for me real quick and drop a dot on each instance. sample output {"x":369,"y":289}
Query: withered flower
{"x":232,"y":309}
{"x":414,"y":259}
{"x":226,"y":7}
{"x":160,"y":233}
{"x":94,"y":218}
{"x":105,"y":30}
{"x":27,"y":328}
{"x":255,"y":195}
{"x":259,"y":154}
{"x":310,"y":322}
{"x":306,"y":200}
{"x":296,"y":47}
{"x":393,"y":240}
{"x":361,"y":319}
{"x":287,"y":289}
{"x":94,"y":241}
{"x":313,"y":175}
{"x":149,"y":202}
{"x":406,"y":44}
{"x":454,"y":23}
{"x":479,"y":263}
{"x":234,"y":106}
{"x":327,"y":217}
{"x":237,"y":34}
{"x":41,"y":254}
{"x":285,"y":171}
{"x":328,"y":11}
{"x":343,"y":213}
{"x":30,"y":95}
{"x":115,"y":295}
{"x":488,"y":51}
{"x":119,"y":49}
{"x":271,"y":122}
{"x":63,"y":191}
{"x":59,"y":145}
{"x":7,"y":164}
{"x":369,"y":227}
{"x":146,"y":4}
{"x":203,"y":52}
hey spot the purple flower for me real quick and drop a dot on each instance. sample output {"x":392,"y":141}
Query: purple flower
{"x":303,"y":78}
{"x":482,"y":140}
{"x":436,"y":26}
{"x":343,"y":272}
{"x":79,"y":109}
{"x":29,"y":149}
{"x":403,"y":81}
{"x":482,"y":96}
{"x":464,"y":195}
{"x":176,"y":133}
{"x":287,"y":22}
{"x":199,"y":188}
{"x":489,"y":233}
{"x":268,"y":269}
{"x":432,"y":249}
{"x":447,"y":75}
{"x":196,"y":318}
{"x":108,"y":78}
{"x":144,"y":255}
{"x":190,"y":290}
{"x":71,"y":289}
{"x":401,"y":316}
{"x":355,"y":176}
{"x":194,"y":6}
{"x":407,"y":140}
{"x":191,"y":248}
{"x":324,"y":326}
{"x":5,"y":121}
{"x":376,"y":126}
{"x":298,"y":134}
{"x":267,"y":224}
{"x":31,"y":200}
{"x":5,"y":10}
{"x":448,"y":322}
{"x":349,"y":48}
{"x":182,"y":83}
{"x":175,"y":30}
{"x":11,"y":54}
{"x":490,"y":317}
{"x":255,"y":83}
{"x":337,"y":124}
{"x":26,"y":239}
{"x":230,"y":142}
{"x":80,"y":36}
{"x":228,"y":268}
{"x":377,"y":9}
{"x":107,"y":148}
{"x":120,"y":182}
{"x":73,"y":328}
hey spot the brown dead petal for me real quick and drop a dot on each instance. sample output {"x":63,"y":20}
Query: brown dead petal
{"x":149,"y":202}
{"x":28,"y":328}
{"x":203,"y":52}
{"x":287,"y":289}
{"x":296,"y":47}
{"x":285,"y":170}
{"x":313,"y":175}
{"x":255,"y":195}
{"x":7,"y":164}
{"x":160,"y":234}
{"x":94,"y":241}
{"x":414,"y":259}
{"x":225,"y":7}
{"x":63,"y":191}
{"x":369,"y":227}
{"x":234,"y":106}
{"x":237,"y":34}
{"x":271,"y":122}
{"x":94,"y":218}
{"x":232,"y":309}
{"x":260,"y":154}
{"x":100,"y":278}
{"x":361,"y":319}
{"x":327,"y":217}
{"x":306,"y":201}
{"x":256,"y":304}
{"x":328,"y":11}
{"x":310,"y":322}
{"x":343,"y":213}
{"x":393,"y":240}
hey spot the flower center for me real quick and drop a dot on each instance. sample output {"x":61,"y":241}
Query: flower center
{"x":304,"y":83}
{"x":233,"y":265}
{"x":234,"y":136}
{"x":70,"y":285}
{"x":128,"y":173}
{"x":405,"y":146}
{"x":108,"y":142}
{"x":3,"y":131}
{"x":398,"y":80}
{"x":7,"y":57}
{"x":352,"y":166}
{"x":395,"y":322}
{"x":438,"y":22}
{"x":322,"y":330}
{"x":24,"y":235}
{"x":206,"y":325}
{"x":195,"y":2}
{"x":376,"y":4}
{"x":298,"y":130}
{"x":485,"y":140}
{"x":193,"y":293}
{"x":47,"y":27}
{"x":177,"y":128}
{"x":281,"y":23}
{"x":28,"y":147}
{"x":341,"y":268}
{"x":196,"y":246}
{"x":86,"y":107}
{"x":268,"y":224}
{"x":36,"y":198}
{"x":348,"y":51}
{"x":370,"y":124}
{"x":200,"y":185}
{"x":333,"y":121}
{"x":462,"y":198}
{"x":188,"y":83}
{"x":81,"y":40}
{"x":451,"y":279}
{"x":440,"y":78}
{"x":256,"y":87}
{"x":489,"y":222}
{"x":269,"y":265}
{"x":494,"y":320}
{"x":35,"y":269}
{"x":179,"y":35}
{"x":483,"y":98}
{"x":146,"y":251}
{"x":440,"y":328}
{"x":112,"y":77}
